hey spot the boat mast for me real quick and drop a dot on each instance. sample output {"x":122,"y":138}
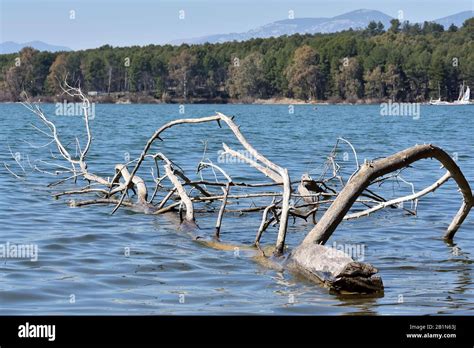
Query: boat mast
{"x":461,"y":92}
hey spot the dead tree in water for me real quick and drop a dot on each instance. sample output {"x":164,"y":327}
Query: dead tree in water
{"x":186,"y":197}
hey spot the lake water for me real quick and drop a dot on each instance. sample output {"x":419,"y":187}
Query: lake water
{"x":82,"y":267}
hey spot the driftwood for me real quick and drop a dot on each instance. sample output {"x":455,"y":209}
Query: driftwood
{"x":188,"y":197}
{"x":335,"y":269}
{"x":372,"y":170}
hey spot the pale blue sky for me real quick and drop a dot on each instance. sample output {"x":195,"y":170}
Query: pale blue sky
{"x":140,"y":22}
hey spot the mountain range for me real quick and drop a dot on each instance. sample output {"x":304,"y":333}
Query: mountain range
{"x":355,"y":19}
{"x":12,"y":47}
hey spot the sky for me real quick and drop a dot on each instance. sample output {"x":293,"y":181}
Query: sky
{"x":142,"y":22}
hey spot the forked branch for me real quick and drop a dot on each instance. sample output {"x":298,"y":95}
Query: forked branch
{"x":371,"y":171}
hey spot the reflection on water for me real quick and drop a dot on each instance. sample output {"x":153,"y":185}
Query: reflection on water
{"x":83,"y":266}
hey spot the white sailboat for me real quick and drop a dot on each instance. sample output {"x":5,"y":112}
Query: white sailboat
{"x":463,"y":99}
{"x":464,"y":96}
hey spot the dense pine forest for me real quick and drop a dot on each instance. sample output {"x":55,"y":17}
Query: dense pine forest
{"x":406,"y":62}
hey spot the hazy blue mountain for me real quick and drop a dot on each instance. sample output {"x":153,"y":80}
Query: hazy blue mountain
{"x":12,"y":47}
{"x":354,"y":19}
{"x":358,"y":19}
{"x":458,"y":19}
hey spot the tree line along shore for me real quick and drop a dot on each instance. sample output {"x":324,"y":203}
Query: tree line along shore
{"x":404,"y":63}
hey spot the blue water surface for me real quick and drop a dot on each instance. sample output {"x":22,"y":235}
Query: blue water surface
{"x":83,"y":266}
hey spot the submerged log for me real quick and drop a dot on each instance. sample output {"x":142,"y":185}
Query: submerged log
{"x":334,"y":269}
{"x":321,"y":265}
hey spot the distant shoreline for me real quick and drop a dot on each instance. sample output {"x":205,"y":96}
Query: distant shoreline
{"x":136,"y":99}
